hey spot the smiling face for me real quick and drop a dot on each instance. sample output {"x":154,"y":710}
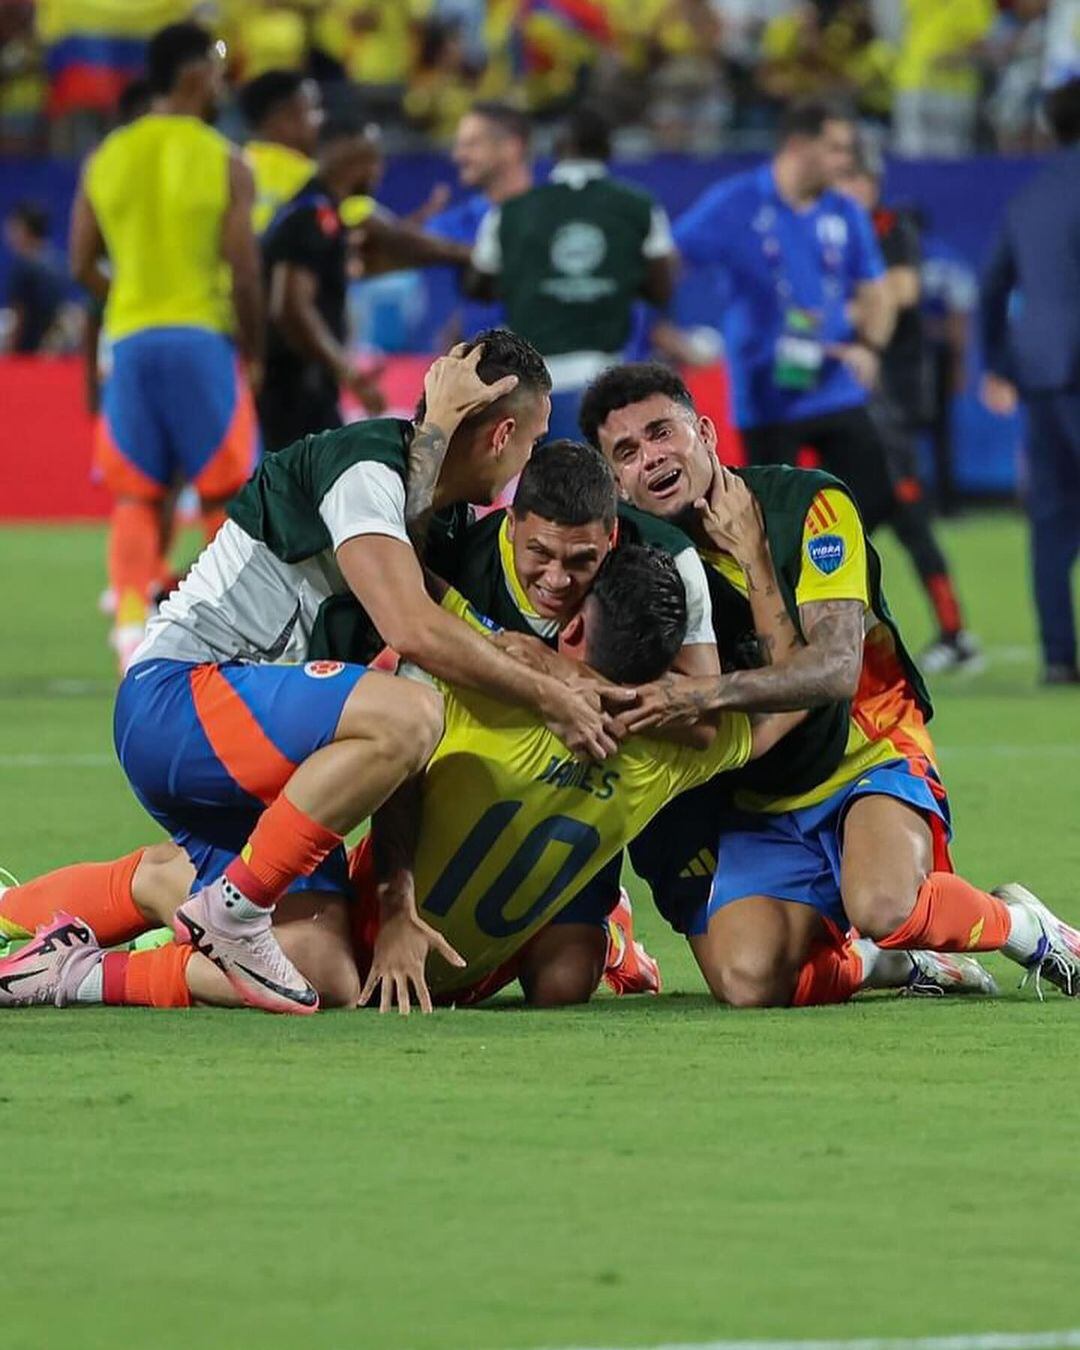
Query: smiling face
{"x":556,"y":564}
{"x":482,"y":151}
{"x":663,"y":454}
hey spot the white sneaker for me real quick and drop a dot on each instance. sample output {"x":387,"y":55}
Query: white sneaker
{"x":960,"y":652}
{"x":934,"y":974}
{"x":1057,"y":956}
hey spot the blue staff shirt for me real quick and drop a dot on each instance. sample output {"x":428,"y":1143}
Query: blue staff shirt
{"x":461,"y":223}
{"x":766,"y":257}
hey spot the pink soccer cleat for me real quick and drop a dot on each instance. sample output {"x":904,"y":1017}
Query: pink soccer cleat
{"x":244,"y":949}
{"x":628,"y":969}
{"x":51,"y":966}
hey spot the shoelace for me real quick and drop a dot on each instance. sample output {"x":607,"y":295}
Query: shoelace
{"x":1046,"y":958}
{"x":921,"y":982}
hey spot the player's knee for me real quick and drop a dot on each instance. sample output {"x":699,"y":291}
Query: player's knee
{"x":877,"y":910}
{"x":559,"y":985}
{"x":162,"y":879}
{"x":410,"y":729}
{"x":755,"y":980}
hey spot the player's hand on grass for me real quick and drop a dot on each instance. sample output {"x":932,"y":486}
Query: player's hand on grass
{"x":453,"y":390}
{"x":731,"y":515}
{"x":400,"y":956}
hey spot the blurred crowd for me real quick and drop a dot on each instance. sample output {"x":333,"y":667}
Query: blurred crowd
{"x":943,"y":77}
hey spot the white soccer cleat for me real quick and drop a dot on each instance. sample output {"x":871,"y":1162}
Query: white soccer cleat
{"x":934,"y":974}
{"x":1057,"y":956}
{"x":245,"y":950}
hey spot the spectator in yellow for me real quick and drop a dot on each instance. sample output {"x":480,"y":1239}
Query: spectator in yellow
{"x":283,"y":112}
{"x":937,"y":81}
{"x":443,"y":88}
{"x":265,"y":35}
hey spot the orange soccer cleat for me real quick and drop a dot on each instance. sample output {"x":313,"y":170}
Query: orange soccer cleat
{"x":628,"y":969}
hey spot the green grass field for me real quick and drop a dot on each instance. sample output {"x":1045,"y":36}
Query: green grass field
{"x":628,"y":1174}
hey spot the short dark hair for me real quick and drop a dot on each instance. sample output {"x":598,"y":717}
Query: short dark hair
{"x":267,"y":92}
{"x":807,"y":117}
{"x":511,"y":121}
{"x":586,"y":134}
{"x":34,"y":219}
{"x":171,"y":49}
{"x":134,"y":100}
{"x":639,"y":618}
{"x":1062,"y":108}
{"x":343,"y":126}
{"x":567,"y":483}
{"x":504,"y":354}
{"x":619,"y":386}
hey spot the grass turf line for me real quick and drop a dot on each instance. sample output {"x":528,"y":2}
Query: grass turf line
{"x":626,"y":1174}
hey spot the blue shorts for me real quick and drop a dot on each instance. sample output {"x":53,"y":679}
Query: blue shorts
{"x":206,"y":748}
{"x":176,"y":408}
{"x":796,"y":855}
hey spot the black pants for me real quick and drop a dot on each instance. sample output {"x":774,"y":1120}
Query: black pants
{"x":848,"y":444}
{"x":1053,"y":506}
{"x":910,"y":519}
{"x":292,"y":405}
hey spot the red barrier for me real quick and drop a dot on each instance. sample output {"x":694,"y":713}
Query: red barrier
{"x":46,"y":434}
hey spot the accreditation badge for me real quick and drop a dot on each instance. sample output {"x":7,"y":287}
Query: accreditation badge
{"x":799,"y":351}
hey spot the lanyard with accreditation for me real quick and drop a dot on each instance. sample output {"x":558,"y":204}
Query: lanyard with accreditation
{"x":799,"y":352}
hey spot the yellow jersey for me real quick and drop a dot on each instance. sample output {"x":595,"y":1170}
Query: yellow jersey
{"x":279,"y":172}
{"x":160,"y":191}
{"x":513,"y":826}
{"x":886,"y":723}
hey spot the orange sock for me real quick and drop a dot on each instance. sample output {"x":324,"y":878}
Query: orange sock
{"x":213,"y":517}
{"x":97,"y":893}
{"x":134,"y":559}
{"x":951,"y":915}
{"x":831,"y":975}
{"x":284,"y":845}
{"x":151,"y":979}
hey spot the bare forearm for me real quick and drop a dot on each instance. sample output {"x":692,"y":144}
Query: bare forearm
{"x":247,"y":301}
{"x":875,"y":316}
{"x":395,"y":830}
{"x":426,"y":455}
{"x":402,"y":245}
{"x":778,"y":636}
{"x":307,"y":332}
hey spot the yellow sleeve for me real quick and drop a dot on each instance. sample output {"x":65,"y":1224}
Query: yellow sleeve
{"x":731,"y":749}
{"x":833,"y":551}
{"x":456,"y":603}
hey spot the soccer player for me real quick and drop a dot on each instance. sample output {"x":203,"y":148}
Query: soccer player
{"x":167,"y":201}
{"x":847,"y":823}
{"x":324,"y":516}
{"x":283,"y":110}
{"x":511,"y":827}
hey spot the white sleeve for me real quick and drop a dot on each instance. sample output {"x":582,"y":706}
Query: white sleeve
{"x":487,"y":251}
{"x":659,"y":242}
{"x":699,"y":624}
{"x":368,"y":498}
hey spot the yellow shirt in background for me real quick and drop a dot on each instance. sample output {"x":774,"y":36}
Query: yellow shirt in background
{"x":160,"y":191}
{"x":936,"y":30}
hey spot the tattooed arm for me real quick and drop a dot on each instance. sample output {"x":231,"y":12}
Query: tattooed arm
{"x":825,"y":670}
{"x":426,"y":455}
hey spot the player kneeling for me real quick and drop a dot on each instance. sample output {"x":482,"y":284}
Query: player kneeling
{"x":511,"y":828}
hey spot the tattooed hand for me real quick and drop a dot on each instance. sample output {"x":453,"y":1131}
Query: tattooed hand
{"x":453,"y":390}
{"x":731,"y":516}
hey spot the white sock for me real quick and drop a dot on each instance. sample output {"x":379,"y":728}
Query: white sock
{"x":239,"y":906}
{"x":1025,"y":933}
{"x":92,"y":988}
{"x":881,"y":969}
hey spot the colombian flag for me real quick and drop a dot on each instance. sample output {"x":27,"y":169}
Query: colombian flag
{"x":558,"y":31}
{"x":95,"y":48}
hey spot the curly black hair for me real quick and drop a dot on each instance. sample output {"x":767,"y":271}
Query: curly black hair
{"x":638,"y":619}
{"x":619,"y":386}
